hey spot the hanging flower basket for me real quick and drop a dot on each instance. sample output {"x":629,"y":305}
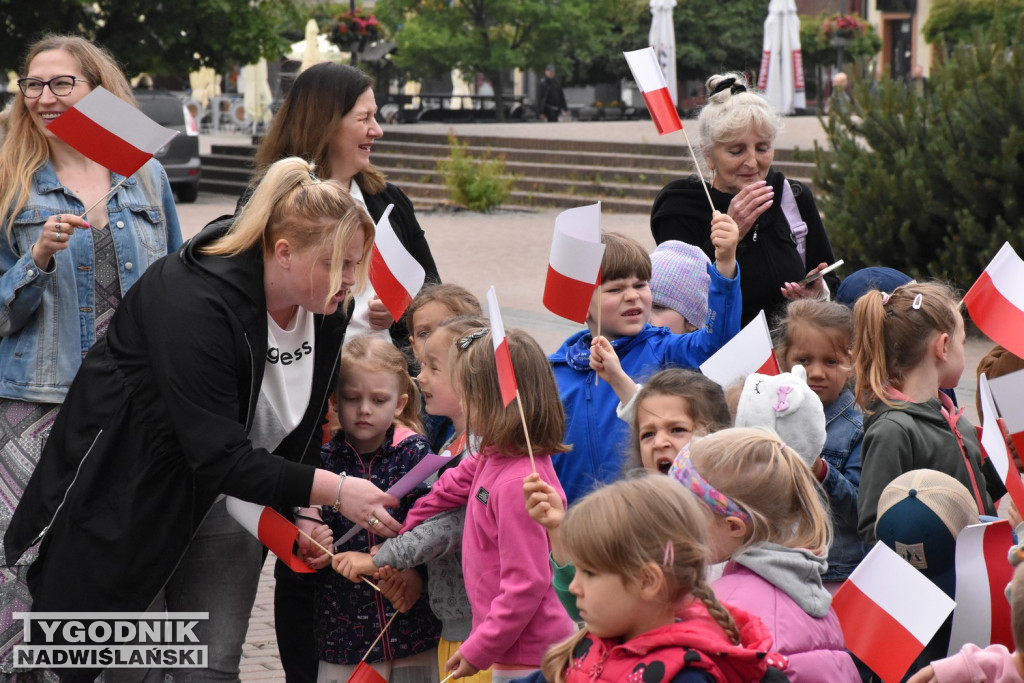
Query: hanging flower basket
{"x":354,"y":31}
{"x":844,"y":27}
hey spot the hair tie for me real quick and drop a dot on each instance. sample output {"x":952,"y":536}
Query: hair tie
{"x":685,"y":473}
{"x":468,"y":340}
{"x":312,"y":176}
{"x":885,"y":298}
{"x":730,"y":84}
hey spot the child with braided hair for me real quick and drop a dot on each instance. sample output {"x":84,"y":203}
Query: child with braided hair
{"x":640,"y":556}
{"x":769,"y":520}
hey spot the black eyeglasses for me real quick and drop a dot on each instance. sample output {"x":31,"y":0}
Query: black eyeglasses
{"x":61,"y":86}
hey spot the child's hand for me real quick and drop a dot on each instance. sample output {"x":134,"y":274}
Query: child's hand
{"x":543,"y":502}
{"x":402,"y":588}
{"x":815,"y":290}
{"x":725,"y":235}
{"x":378,"y":314}
{"x":311,"y":550}
{"x":354,"y":566}
{"x":460,"y":666}
{"x":605,"y":362}
{"x":925,"y":675}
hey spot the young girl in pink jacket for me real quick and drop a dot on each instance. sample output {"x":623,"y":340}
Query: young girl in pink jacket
{"x":516,"y":614}
{"x":768,"y":519}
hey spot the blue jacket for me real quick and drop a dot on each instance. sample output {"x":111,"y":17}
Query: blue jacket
{"x":598,"y":438}
{"x":844,"y":430}
{"x":47,"y":322}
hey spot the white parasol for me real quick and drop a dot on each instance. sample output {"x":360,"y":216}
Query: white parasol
{"x":663,"y":40}
{"x":782,"y":67}
{"x":257,"y":96}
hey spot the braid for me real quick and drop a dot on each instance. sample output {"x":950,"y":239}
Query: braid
{"x":703,"y":592}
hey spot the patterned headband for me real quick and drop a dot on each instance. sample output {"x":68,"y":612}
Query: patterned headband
{"x":684,"y":472}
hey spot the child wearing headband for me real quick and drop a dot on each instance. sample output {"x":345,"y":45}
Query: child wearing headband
{"x":769,"y":521}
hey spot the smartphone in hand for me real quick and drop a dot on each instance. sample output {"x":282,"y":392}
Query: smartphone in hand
{"x":824,"y":271}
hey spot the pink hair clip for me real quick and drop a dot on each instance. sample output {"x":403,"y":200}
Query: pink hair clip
{"x":670,"y":554}
{"x":917,"y":302}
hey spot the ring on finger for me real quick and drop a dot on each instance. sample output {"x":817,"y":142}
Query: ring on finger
{"x":373,"y":522}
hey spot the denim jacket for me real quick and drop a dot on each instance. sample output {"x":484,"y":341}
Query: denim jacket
{"x":844,"y":431}
{"x":47,"y":322}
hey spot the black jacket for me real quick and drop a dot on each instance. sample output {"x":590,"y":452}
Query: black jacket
{"x":681,"y":212}
{"x":155,"y":426}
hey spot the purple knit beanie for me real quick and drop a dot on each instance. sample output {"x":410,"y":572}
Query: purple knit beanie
{"x":680,"y":280}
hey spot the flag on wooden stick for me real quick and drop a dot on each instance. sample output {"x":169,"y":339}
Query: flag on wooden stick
{"x":395,"y":275}
{"x":574,"y":267}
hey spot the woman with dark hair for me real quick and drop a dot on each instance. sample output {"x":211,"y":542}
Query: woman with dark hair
{"x":329,"y":119}
{"x":63,"y":271}
{"x":782,"y":238}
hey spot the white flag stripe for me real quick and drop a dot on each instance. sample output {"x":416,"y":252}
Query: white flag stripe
{"x":1007,"y":273}
{"x":991,"y":435}
{"x":1006,"y":391}
{"x":245,"y":513}
{"x":646,"y":69}
{"x":575,"y":258}
{"x":130,"y":124}
{"x":972,"y":620}
{"x":582,"y":222}
{"x":742,"y":355}
{"x":406,"y":269}
{"x":494,"y":313}
{"x":902,"y":591}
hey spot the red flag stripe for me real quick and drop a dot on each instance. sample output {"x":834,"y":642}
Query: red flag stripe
{"x":506,"y":374}
{"x":996,"y":316}
{"x":771,"y":366}
{"x":392,"y":293}
{"x":99,"y":144}
{"x":279,"y":535}
{"x":663,"y":112}
{"x":567,"y":297}
{"x":1000,"y":572}
{"x":886,"y":646}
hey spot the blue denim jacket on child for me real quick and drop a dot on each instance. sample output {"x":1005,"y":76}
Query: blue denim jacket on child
{"x":47,"y":322}
{"x":844,"y":431}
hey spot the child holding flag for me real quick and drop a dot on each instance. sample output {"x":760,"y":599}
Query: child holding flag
{"x":378,"y":410}
{"x":437,"y":542}
{"x":620,"y":312}
{"x":516,"y":614}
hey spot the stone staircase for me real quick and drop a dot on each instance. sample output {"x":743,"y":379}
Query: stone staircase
{"x":548,"y":173}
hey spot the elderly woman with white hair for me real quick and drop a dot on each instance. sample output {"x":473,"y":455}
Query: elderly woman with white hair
{"x":782,"y":239}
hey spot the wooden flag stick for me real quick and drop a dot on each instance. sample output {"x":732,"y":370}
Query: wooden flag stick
{"x":448,"y":677}
{"x":526,"y":431}
{"x":374,"y":643}
{"x":97,"y":202}
{"x":597,"y":377}
{"x":327,"y":552}
{"x":700,"y":174}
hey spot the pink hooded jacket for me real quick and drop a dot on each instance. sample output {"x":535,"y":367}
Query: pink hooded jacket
{"x":783,"y":587}
{"x":994,"y":664}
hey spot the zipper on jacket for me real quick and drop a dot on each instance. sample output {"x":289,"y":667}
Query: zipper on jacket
{"x":78,"y":470}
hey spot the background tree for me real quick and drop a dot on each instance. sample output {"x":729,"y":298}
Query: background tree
{"x":491,"y":36}
{"x":954,"y":22}
{"x":932,"y":184}
{"x":156,"y":36}
{"x":714,"y":36}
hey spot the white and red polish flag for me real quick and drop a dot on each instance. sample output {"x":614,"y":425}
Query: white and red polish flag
{"x":889,"y":611}
{"x":996,"y":300}
{"x":111,"y":132}
{"x":273,"y":530}
{"x":982,"y":613}
{"x":748,"y":352}
{"x":395,"y":275}
{"x":651,"y":82}
{"x":993,"y":443}
{"x":502,"y":355}
{"x":574,"y":267}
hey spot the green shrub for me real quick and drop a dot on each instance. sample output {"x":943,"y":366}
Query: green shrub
{"x":930,"y":184}
{"x":479,"y":184}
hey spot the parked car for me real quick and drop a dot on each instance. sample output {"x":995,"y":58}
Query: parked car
{"x":180,"y":157}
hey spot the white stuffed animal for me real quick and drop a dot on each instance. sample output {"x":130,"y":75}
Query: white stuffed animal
{"x":786,"y":404}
